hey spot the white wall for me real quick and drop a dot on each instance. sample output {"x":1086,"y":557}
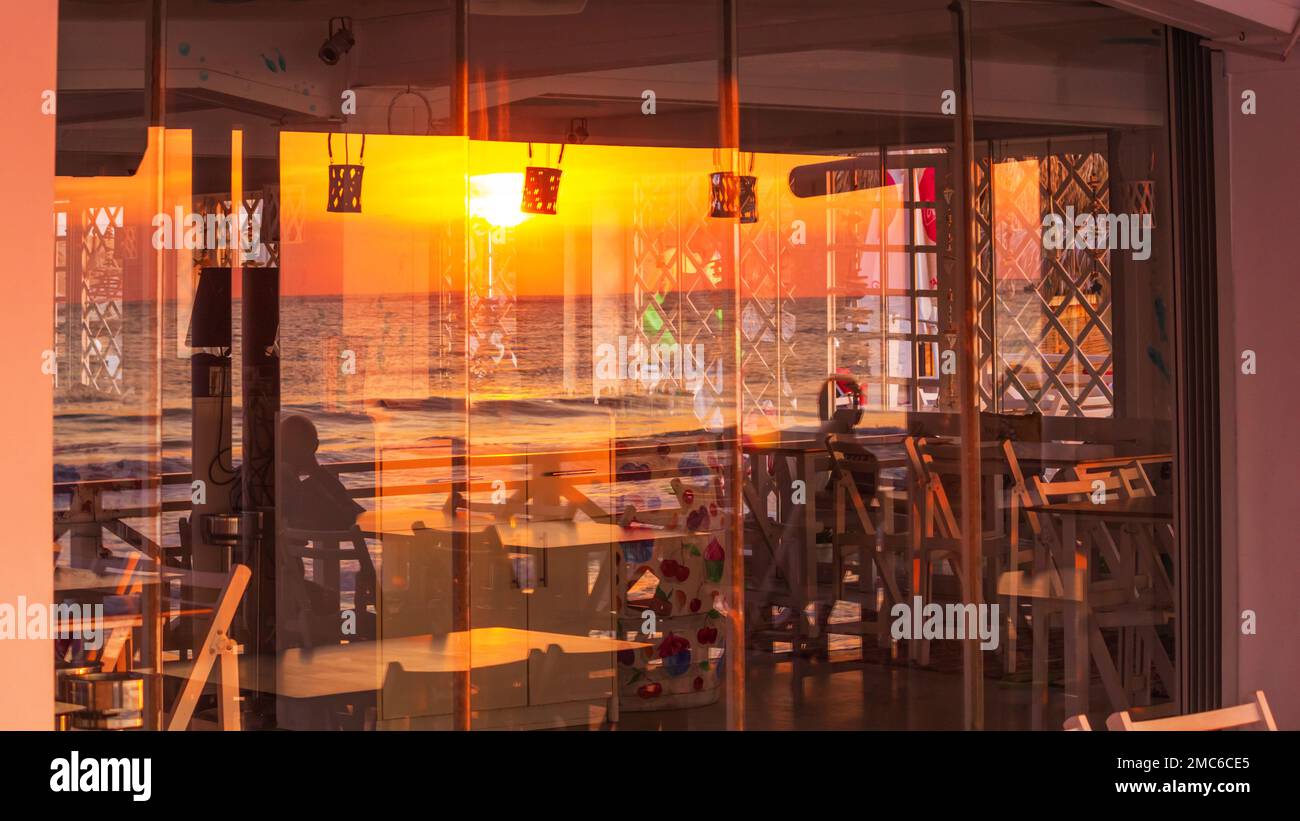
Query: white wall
{"x":28,"y":64}
{"x":1260,"y":311}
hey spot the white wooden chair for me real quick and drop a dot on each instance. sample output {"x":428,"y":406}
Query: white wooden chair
{"x":1077,"y":723}
{"x":1253,"y":715}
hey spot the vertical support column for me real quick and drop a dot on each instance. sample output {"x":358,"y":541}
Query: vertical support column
{"x":1197,"y":468}
{"x":967,"y":364}
{"x":729,"y":142}
{"x":260,"y":367}
{"x":156,"y":100}
{"x":460,"y":471}
{"x":27,"y":137}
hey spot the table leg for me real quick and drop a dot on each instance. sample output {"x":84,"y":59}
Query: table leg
{"x":1075,"y":559}
{"x":611,"y":711}
{"x":805,"y":472}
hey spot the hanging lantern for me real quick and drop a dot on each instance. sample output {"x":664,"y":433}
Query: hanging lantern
{"x":345,"y":179}
{"x":541,"y":186}
{"x":734,"y":196}
{"x":541,"y":190}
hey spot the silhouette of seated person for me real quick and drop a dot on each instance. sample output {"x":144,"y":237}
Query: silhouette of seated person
{"x":839,"y":404}
{"x":317,"y":500}
{"x":319,"y":509}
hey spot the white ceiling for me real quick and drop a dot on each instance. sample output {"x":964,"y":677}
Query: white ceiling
{"x":1261,"y":21}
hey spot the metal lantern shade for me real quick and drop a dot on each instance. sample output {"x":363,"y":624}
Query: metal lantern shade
{"x":541,"y":190}
{"x":748,"y":198}
{"x":345,"y":179}
{"x":733,"y":196}
{"x":1139,"y":196}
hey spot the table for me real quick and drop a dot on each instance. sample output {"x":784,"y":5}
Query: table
{"x":552,"y":535}
{"x":800,"y":454}
{"x":343,"y":669}
{"x":400,"y":521}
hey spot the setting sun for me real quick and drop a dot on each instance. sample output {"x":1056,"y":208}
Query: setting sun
{"x":496,"y":197}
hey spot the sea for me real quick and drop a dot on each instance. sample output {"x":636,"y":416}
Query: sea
{"x":543,"y":370}
{"x":378,"y":375}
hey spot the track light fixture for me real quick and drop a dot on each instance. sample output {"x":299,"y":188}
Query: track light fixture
{"x":339,"y":42}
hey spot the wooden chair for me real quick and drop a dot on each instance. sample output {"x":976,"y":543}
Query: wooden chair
{"x":314,"y":612}
{"x":1251,"y":715}
{"x":1077,"y":723}
{"x":853,"y":488}
{"x":935,"y":532}
{"x":219,"y":650}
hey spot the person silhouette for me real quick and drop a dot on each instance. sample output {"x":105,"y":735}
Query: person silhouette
{"x":316,"y":499}
{"x":839,"y":404}
{"x":318,"y":509}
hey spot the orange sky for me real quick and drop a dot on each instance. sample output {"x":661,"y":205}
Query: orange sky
{"x":414,"y":204}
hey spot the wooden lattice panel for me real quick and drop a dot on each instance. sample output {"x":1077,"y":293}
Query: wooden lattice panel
{"x":1050,"y":343}
{"x":102,"y":321}
{"x":682,"y":269}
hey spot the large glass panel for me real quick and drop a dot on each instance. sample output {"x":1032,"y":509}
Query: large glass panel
{"x":602,"y":363}
{"x":371,"y":439}
{"x":600,"y":321}
{"x":848,"y":280}
{"x":114,"y":173}
{"x":1074,"y":269}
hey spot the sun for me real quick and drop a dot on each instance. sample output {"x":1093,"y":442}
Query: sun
{"x":496,"y":198}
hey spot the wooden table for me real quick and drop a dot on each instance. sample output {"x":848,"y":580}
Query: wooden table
{"x":70,"y":579}
{"x":400,"y":521}
{"x":553,"y":535}
{"x":342,"y":669}
{"x":74,"y":579}
{"x":1073,"y":558}
{"x":800,"y":455}
{"x":119,"y":627}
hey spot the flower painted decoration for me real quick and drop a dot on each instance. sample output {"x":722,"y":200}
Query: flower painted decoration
{"x":713,"y":561}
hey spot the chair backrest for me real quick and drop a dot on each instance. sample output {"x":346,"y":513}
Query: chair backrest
{"x":322,"y":544}
{"x":853,"y":463}
{"x":1077,"y":723}
{"x":1253,"y":714}
{"x":1132,"y":474}
{"x":1061,"y":491}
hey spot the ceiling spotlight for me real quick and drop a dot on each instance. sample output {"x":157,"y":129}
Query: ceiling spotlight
{"x":339,"y":42}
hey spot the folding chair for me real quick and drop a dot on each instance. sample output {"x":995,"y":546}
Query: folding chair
{"x":935,"y":533}
{"x":1253,"y":715}
{"x":853,"y":488}
{"x":316,"y":607}
{"x":1077,"y":723}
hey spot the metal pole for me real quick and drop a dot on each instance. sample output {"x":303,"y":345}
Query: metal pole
{"x":729,"y":142}
{"x":460,"y":590}
{"x":459,"y":97}
{"x":967,"y":298}
{"x":151,"y":649}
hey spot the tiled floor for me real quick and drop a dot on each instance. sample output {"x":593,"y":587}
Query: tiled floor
{"x":851,"y":696}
